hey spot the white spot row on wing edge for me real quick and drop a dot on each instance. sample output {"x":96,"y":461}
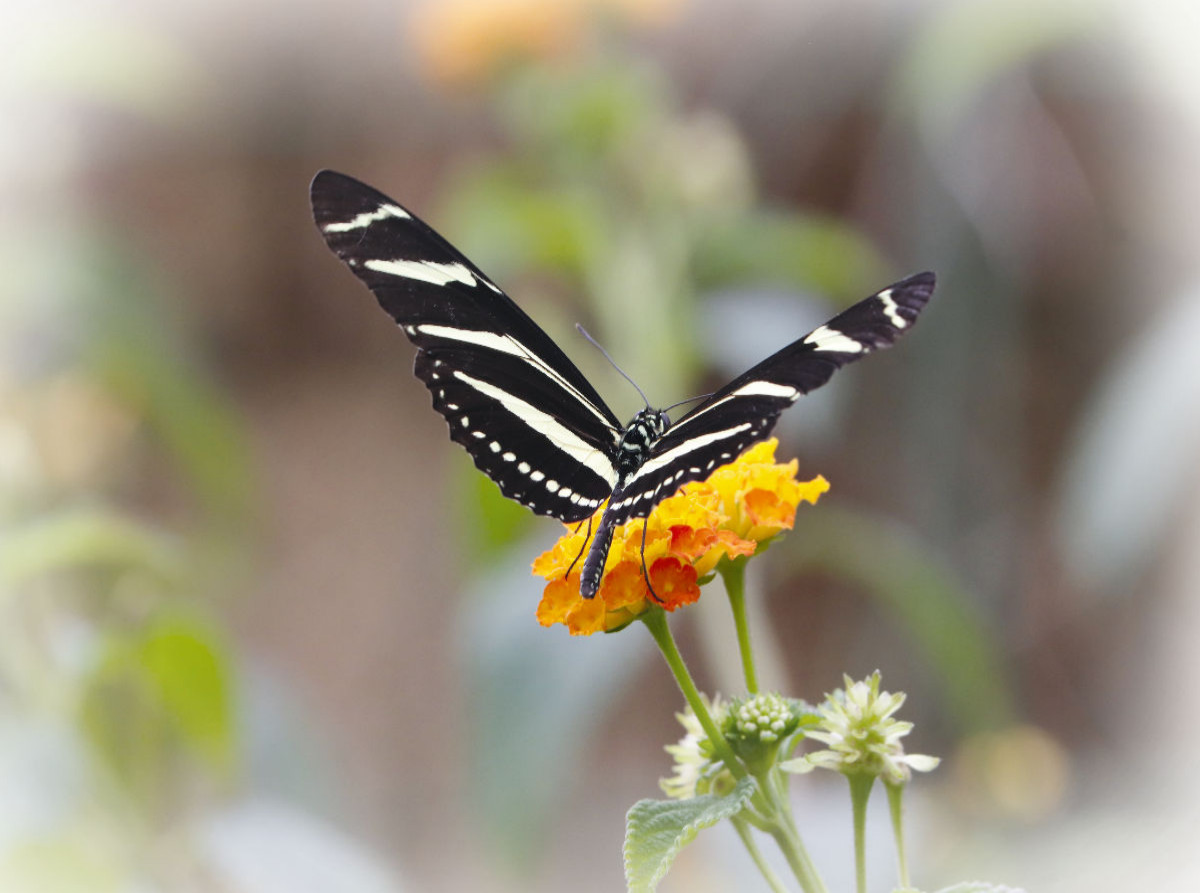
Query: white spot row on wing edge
{"x":537,"y":476}
{"x":561,"y":437}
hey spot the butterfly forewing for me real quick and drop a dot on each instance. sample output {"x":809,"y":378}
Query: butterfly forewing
{"x":746,"y":409}
{"x":524,"y":412}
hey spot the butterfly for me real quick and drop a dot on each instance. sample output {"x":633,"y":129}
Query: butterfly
{"x":526,"y":414}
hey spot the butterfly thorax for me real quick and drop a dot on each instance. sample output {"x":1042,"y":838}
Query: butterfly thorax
{"x":640,"y":434}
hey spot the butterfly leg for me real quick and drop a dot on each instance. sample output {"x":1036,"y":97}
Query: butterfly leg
{"x":646,"y":573}
{"x":582,"y":548}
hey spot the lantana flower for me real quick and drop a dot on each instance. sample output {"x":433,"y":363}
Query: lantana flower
{"x":739,"y":507}
{"x":863,"y":738}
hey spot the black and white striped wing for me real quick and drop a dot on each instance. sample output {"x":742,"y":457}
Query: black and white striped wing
{"x":746,"y":409}
{"x":524,"y":412}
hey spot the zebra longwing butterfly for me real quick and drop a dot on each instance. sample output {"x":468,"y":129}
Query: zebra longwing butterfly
{"x":527,"y":416}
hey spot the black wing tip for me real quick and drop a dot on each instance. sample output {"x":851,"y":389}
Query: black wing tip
{"x":924,"y":281}
{"x":331,"y":187}
{"x":327,"y":192}
{"x":325,"y":179}
{"x":913,"y":293}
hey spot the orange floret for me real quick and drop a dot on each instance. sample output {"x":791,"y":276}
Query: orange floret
{"x":740,"y":505}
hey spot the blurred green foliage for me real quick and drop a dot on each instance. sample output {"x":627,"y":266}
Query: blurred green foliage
{"x":891,"y":565}
{"x":105,"y":628}
{"x":158,"y":698}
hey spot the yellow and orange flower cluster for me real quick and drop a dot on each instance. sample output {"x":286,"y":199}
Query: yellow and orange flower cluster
{"x":739,"y":506}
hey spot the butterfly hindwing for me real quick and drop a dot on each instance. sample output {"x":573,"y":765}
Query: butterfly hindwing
{"x":524,"y":412}
{"x":530,"y":456}
{"x":745,"y":410}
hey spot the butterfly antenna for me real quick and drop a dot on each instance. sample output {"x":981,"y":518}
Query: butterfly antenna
{"x":612,"y":362}
{"x":689,"y":400}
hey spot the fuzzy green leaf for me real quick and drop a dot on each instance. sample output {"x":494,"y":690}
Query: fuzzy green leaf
{"x":656,"y":830}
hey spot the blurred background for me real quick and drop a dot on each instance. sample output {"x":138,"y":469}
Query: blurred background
{"x":264,"y":629}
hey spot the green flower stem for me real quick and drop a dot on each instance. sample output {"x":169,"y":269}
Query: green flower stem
{"x":780,"y":789}
{"x":733,"y":574}
{"x":753,"y":815}
{"x":895,"y":794}
{"x":743,"y":830}
{"x":788,"y":838}
{"x":770,"y":798}
{"x":860,"y":792}
{"x":785,"y":833}
{"x":656,"y":621}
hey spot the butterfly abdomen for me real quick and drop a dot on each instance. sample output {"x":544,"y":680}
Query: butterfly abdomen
{"x":593,"y":565}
